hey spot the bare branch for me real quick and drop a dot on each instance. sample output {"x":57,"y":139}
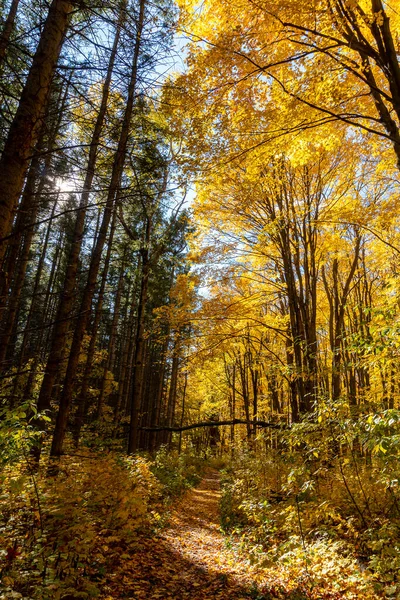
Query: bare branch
{"x":264,"y":424}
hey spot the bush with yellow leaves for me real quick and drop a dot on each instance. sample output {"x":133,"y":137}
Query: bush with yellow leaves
{"x":332,"y":521}
{"x":64,"y":533}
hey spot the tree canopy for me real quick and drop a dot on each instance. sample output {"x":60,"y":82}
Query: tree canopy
{"x":199,"y":248}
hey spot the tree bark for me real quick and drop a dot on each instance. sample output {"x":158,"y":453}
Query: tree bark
{"x":66,"y":302}
{"x":25,"y":224}
{"x":27,"y":122}
{"x":118,"y":165}
{"x":7,"y":31}
{"x":83,"y":400}
{"x":137,"y":376}
{"x":173,"y":386}
{"x":182,"y":411}
{"x":264,"y":424}
{"x":109,"y":362}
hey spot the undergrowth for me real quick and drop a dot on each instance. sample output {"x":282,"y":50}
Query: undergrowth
{"x":60,"y":536}
{"x":176,"y":472}
{"x":330,"y":526}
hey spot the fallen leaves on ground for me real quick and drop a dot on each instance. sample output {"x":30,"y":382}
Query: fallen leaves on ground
{"x":191,"y":559}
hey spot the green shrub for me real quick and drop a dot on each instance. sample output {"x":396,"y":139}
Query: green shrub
{"x":176,"y":472}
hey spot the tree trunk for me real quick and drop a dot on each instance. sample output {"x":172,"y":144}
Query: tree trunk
{"x":7,"y":31}
{"x":125,"y":370}
{"x":65,"y":306}
{"x":118,"y":165}
{"x":109,"y":362}
{"x":183,"y":411}
{"x":12,"y":312}
{"x":173,"y":386}
{"x":28,"y":119}
{"x":28,"y":211}
{"x":137,"y":376}
{"x":83,"y":400}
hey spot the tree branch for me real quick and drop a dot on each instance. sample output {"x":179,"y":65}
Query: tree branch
{"x":215,"y":424}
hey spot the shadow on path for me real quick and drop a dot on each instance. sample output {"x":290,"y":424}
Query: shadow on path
{"x":189,"y":559}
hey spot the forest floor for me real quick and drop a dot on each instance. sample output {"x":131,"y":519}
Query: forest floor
{"x":190,"y":558}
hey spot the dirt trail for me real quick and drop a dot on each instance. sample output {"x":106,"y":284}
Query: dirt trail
{"x":195,"y":534}
{"x":189,"y":559}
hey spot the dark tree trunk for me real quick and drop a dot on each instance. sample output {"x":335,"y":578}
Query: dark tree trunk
{"x":66,"y":303}
{"x":28,"y":119}
{"x":84,"y":312}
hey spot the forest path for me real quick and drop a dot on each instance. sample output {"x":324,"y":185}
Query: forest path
{"x":190,"y":558}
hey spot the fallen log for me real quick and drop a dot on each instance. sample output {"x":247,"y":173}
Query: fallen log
{"x":264,"y":424}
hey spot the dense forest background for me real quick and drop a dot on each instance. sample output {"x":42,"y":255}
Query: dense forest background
{"x":199,"y":247}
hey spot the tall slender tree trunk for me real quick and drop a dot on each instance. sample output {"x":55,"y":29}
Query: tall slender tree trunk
{"x":28,"y":212}
{"x":83,"y":400}
{"x":27,"y":209}
{"x":51,"y":298}
{"x":244,"y":379}
{"x":337,"y":298}
{"x":12,"y":312}
{"x":233,"y":408}
{"x":293,"y":388}
{"x":37,"y":349}
{"x":155,"y":436}
{"x":27,"y":122}
{"x":255,"y":385}
{"x":126,"y":360}
{"x":108,"y":363}
{"x":173,"y":387}
{"x":7,"y":31}
{"x":137,"y":376}
{"x":183,"y":410}
{"x":65,"y":306}
{"x":84,"y":313}
{"x":35,"y":291}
